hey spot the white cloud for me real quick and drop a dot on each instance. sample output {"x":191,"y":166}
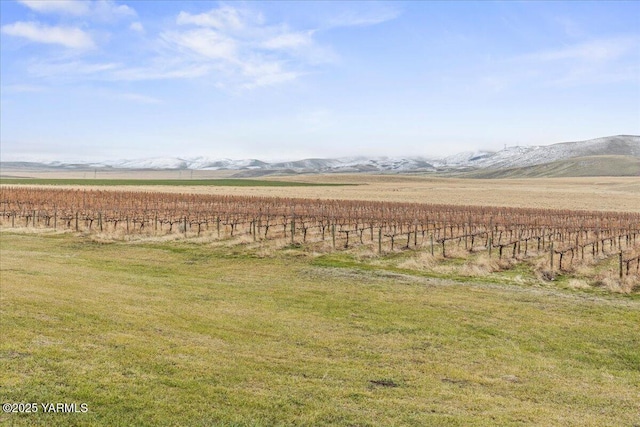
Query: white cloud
{"x":242,"y":48}
{"x":592,"y":51}
{"x":204,"y":42}
{"x":69,"y":7}
{"x":70,"y":37}
{"x":362,"y":18}
{"x":137,"y":27}
{"x":71,"y":69}
{"x":159,"y":72}
{"x":264,"y":73}
{"x":23,"y":88}
{"x":225,"y":18}
{"x":570,"y":27}
{"x":289,"y":40}
{"x":106,"y":10}
{"x":234,"y":48}
{"x":138,"y":98}
{"x":593,"y":62}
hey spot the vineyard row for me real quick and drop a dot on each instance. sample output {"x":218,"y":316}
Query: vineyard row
{"x":517,"y":232}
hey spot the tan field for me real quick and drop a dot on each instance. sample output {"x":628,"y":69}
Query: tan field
{"x":619,"y":194}
{"x":585,"y":193}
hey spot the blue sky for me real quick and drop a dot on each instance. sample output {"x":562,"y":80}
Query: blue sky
{"x":110,"y":79}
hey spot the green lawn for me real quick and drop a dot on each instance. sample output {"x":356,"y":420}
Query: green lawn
{"x":172,"y":182}
{"x":180,"y":333}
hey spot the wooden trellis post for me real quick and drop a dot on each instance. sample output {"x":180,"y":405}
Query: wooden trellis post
{"x":333,"y":235}
{"x":293,"y":229}
{"x":620,"y":257}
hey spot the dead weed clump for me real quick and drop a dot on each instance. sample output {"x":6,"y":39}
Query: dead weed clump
{"x":481,"y":266}
{"x":266,"y":251}
{"x":584,"y":269}
{"x":366,"y":253}
{"x":545,"y":275}
{"x":542,"y":270}
{"x":422,"y":261}
{"x":456,"y":252}
{"x":578,"y":284}
{"x":626,"y":285}
{"x":506,"y":263}
{"x":109,"y":236}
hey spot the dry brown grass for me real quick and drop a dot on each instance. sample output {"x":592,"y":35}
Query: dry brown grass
{"x":421,"y":261}
{"x":626,"y":285}
{"x":456,"y":251}
{"x":578,"y":284}
{"x":590,"y":193}
{"x":481,"y":266}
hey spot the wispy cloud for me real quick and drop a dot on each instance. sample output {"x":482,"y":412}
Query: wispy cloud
{"x":592,"y":51}
{"x":160,"y":72}
{"x":75,"y":11}
{"x":289,"y":40}
{"x":137,"y":27}
{"x":69,"y":7}
{"x":242,"y":48}
{"x":224,"y":18}
{"x":203,"y":42}
{"x":137,"y":98}
{"x":365,"y":17}
{"x":599,"y":61}
{"x":71,"y":69}
{"x":233,"y":47}
{"x":266,"y":73}
{"x":23,"y":88}
{"x":569,"y":26}
{"x":70,"y":37}
{"x":106,"y":10}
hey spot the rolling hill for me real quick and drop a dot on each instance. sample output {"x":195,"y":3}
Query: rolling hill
{"x":604,"y":165}
{"x":613,"y":156}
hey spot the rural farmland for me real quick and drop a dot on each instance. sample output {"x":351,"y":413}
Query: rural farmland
{"x":319,"y":214}
{"x":507,"y":233}
{"x":261,"y":310}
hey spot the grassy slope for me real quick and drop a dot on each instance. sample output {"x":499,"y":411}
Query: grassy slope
{"x":576,"y":167}
{"x":185,"y":334}
{"x":172,"y":182}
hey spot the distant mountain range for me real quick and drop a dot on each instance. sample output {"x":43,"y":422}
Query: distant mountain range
{"x":613,"y":155}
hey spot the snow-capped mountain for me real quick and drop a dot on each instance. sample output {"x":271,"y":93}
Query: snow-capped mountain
{"x":510,"y":157}
{"x":346,"y":164}
{"x":194,"y":163}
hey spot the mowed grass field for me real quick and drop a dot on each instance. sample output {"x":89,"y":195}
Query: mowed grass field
{"x":179,"y":333}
